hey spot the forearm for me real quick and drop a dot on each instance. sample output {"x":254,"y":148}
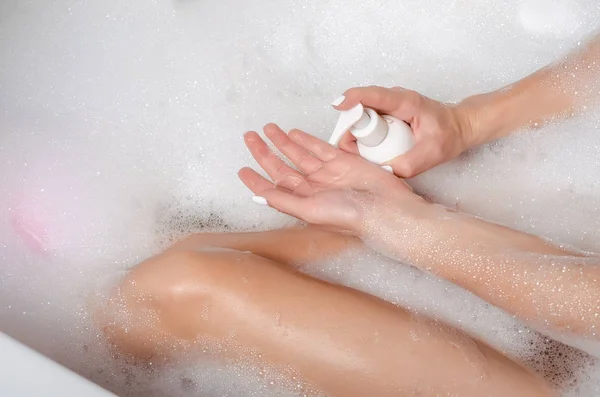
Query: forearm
{"x":545,"y":285}
{"x":554,"y":92}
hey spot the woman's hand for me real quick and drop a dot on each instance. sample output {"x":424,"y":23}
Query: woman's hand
{"x":330,"y":187}
{"x":442,"y":131}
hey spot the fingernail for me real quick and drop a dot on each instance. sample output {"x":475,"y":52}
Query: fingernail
{"x":338,"y":101}
{"x":260,"y":200}
{"x":388,"y":168}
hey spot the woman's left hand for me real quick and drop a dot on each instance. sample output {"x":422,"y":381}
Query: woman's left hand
{"x":330,"y":187}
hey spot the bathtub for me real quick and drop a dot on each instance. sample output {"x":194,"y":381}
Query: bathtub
{"x":121,"y":125}
{"x":20,"y":365}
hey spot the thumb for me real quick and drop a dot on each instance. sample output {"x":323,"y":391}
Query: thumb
{"x":338,"y":211}
{"x":287,"y":203}
{"x":422,"y":157}
{"x":348,"y":143}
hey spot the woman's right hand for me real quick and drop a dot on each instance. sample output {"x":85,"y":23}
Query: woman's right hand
{"x":442,"y":131}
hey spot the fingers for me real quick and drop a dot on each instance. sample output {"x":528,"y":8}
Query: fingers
{"x":378,"y":98}
{"x":348,"y":143}
{"x":298,"y":185}
{"x":321,"y":149}
{"x":417,"y":160}
{"x":273,"y":165}
{"x":286,"y":202}
{"x":397,"y":101}
{"x":299,"y":156}
{"x":254,"y":181}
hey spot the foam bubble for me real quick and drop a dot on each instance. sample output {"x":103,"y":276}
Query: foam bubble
{"x":121,"y":125}
{"x":558,"y":18}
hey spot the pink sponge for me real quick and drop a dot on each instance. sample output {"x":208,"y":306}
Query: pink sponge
{"x":31,"y":230}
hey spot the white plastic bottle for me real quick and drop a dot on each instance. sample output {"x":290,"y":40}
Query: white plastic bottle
{"x":379,"y":138}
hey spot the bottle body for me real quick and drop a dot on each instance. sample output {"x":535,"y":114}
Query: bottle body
{"x":399,"y":140}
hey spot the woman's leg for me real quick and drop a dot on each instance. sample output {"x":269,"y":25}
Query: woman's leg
{"x":293,"y":246}
{"x":344,"y":342}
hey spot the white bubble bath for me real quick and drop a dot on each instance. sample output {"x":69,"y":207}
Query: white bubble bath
{"x":121,"y":127}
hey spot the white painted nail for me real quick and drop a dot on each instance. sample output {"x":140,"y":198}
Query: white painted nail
{"x":338,"y":101}
{"x":260,"y":200}
{"x":388,"y":168}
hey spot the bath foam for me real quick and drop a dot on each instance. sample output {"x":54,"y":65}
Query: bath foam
{"x":559,"y":18}
{"x":403,"y":285}
{"x":129,"y":116}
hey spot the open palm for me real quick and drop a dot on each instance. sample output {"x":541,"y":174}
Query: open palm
{"x":328,"y":187}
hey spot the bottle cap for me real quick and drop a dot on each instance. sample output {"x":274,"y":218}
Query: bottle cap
{"x":369,"y":128}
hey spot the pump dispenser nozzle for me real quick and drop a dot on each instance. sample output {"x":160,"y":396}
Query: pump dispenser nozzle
{"x":379,"y":138}
{"x":365,"y":124}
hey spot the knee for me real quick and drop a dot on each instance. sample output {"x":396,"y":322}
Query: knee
{"x":152,"y":310}
{"x":168,"y":277}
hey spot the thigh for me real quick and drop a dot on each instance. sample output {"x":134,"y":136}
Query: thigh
{"x":291,"y":246}
{"x":343,"y":341}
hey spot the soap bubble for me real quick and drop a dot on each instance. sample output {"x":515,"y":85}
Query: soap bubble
{"x":555,"y":19}
{"x":121,"y":126}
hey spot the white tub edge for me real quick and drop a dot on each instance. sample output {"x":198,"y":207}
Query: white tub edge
{"x":25,"y":372}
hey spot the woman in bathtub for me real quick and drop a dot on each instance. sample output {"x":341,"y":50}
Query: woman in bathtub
{"x":249,"y":296}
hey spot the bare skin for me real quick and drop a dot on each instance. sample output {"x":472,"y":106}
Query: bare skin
{"x":547,"y":286}
{"x":556,"y":91}
{"x":342,"y":341}
{"x":444,"y":130}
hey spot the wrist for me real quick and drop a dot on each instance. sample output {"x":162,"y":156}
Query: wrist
{"x":386,"y":221}
{"x":485,"y":117}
